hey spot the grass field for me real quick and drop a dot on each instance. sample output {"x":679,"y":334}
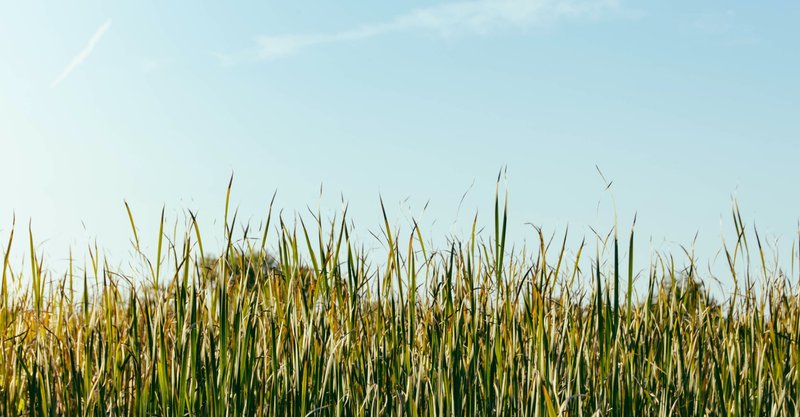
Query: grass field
{"x":322,"y":327}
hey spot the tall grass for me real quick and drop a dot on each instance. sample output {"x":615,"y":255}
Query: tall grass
{"x":322,"y":327}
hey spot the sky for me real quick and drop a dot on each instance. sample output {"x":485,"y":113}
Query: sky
{"x":683,"y":106}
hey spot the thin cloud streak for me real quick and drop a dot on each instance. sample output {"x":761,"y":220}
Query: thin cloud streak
{"x":83,"y":54}
{"x":449,"y":19}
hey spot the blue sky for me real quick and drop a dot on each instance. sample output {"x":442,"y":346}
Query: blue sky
{"x":682,"y":104}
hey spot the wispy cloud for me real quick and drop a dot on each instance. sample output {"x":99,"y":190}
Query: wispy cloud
{"x":449,"y":19}
{"x":725,"y":27}
{"x":77,"y":60}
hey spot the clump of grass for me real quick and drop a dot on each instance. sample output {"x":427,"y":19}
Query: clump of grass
{"x":324,"y":328}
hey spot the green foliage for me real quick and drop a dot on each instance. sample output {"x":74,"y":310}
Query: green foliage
{"x":474,"y":329}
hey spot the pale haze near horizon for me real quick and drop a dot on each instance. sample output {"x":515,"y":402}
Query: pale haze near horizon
{"x":683,"y":106}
